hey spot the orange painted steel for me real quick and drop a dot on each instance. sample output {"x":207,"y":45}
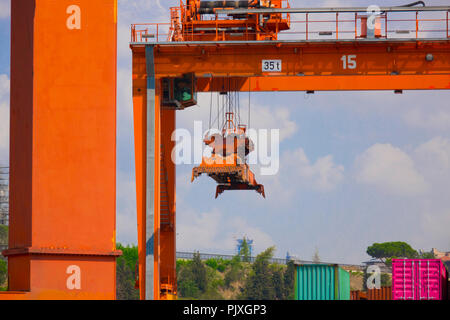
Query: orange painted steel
{"x":188,"y":22}
{"x":302,"y":26}
{"x":357,"y":295}
{"x":227,"y":163}
{"x":383,"y":293}
{"x":164,"y":204}
{"x":380,"y":65}
{"x":62,"y":240}
{"x":306,"y":65}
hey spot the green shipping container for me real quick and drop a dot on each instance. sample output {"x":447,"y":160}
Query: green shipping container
{"x":321,"y":282}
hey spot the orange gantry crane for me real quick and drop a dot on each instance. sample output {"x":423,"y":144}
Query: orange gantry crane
{"x":63,"y":114}
{"x":209,"y":45}
{"x":62,"y":227}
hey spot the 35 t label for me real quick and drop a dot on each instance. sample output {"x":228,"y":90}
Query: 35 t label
{"x":271,"y":66}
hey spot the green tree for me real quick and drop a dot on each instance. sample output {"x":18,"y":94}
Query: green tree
{"x":235,"y":271}
{"x":386,"y":251}
{"x":245,"y":251}
{"x":316,"y":257}
{"x":3,"y":263}
{"x":289,"y":281}
{"x":199,"y":272}
{"x":198,"y":280}
{"x":278,"y":283}
{"x":188,"y":289}
{"x":426,"y":255}
{"x":259,"y":283}
{"x":214,"y":281}
{"x":129,"y":254}
{"x":125,"y":289}
{"x":386,"y":280}
{"x":212,"y":263}
{"x":222,"y":265}
{"x":3,"y":272}
{"x":3,"y":235}
{"x":125,"y":273}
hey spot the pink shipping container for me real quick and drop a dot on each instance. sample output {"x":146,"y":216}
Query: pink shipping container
{"x":419,"y":279}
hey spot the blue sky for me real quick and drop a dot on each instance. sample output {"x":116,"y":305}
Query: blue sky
{"x":356,"y":167}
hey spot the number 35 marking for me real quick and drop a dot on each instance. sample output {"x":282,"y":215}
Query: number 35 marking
{"x":271,"y":65}
{"x":349,"y":62}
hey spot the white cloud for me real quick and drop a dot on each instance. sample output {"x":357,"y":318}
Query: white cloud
{"x":124,"y":95}
{"x":428,"y":118}
{"x":5,"y":9}
{"x":126,"y":227}
{"x":435,"y":224}
{"x":298,"y":174}
{"x":126,"y":223}
{"x":322,"y":175}
{"x":4,"y":118}
{"x":138,"y":11}
{"x":213,"y":232}
{"x":274,"y":117}
{"x":389,"y":169}
{"x":433,"y":157}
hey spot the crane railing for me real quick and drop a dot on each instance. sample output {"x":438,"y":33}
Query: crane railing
{"x":343,"y":24}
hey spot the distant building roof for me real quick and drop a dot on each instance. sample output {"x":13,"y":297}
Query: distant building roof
{"x":440,"y":254}
{"x":373,"y":261}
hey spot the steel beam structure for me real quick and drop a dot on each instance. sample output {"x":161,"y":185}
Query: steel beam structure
{"x":329,"y":10}
{"x":62,"y":239}
{"x":380,"y":64}
{"x":155,"y":182}
{"x":151,"y":186}
{"x":304,"y":66}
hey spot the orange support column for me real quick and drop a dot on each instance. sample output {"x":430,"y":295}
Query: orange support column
{"x":140,"y":140}
{"x":62,"y":155}
{"x":155,"y":180}
{"x":168,"y":207}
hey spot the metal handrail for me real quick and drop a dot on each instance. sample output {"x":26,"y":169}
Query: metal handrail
{"x":206,"y":256}
{"x":331,"y":10}
{"x":155,"y":32}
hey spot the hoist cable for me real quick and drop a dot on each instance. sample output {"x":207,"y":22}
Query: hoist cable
{"x":210,"y":111}
{"x":249,"y":102}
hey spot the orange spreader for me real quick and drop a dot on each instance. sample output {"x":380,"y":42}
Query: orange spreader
{"x":227,"y":163}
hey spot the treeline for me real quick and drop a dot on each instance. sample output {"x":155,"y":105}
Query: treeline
{"x":387,"y":251}
{"x":3,"y":263}
{"x":216,"y":279}
{"x":126,"y":273}
{"x":235,"y":279}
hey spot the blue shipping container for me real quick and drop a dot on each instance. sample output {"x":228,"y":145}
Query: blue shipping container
{"x":321,"y":282}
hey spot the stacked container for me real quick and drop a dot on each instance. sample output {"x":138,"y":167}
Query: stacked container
{"x":419,"y":279}
{"x":321,"y":282}
{"x":383,"y":293}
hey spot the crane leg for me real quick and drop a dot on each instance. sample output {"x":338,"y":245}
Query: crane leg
{"x":155,"y":183}
{"x":146,"y":109}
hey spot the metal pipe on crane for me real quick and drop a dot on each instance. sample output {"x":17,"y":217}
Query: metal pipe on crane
{"x":329,"y":10}
{"x":209,"y":7}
